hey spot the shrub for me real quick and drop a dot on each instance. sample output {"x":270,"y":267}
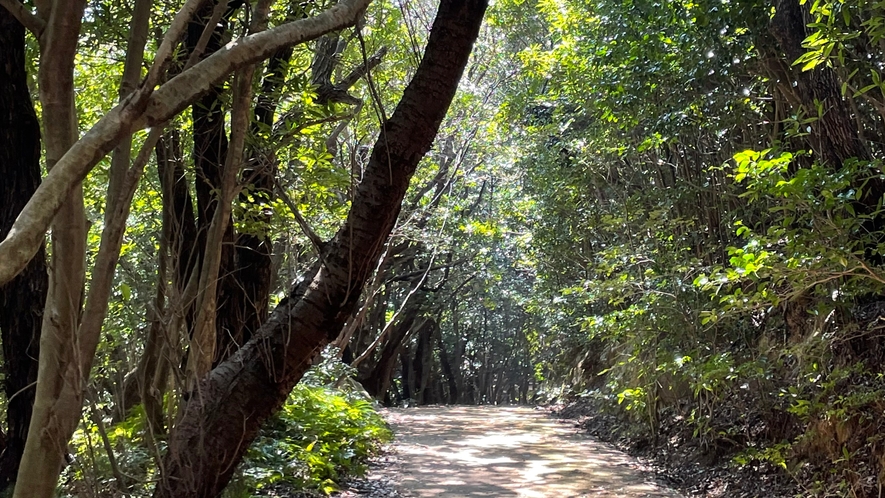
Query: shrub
{"x":319,"y":436}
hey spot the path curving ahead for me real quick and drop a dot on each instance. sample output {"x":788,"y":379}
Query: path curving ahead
{"x":506,"y":452}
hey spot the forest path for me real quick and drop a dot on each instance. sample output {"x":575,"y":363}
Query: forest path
{"x":483,"y":451}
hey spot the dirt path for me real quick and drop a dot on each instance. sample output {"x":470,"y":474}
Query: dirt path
{"x":506,"y":451}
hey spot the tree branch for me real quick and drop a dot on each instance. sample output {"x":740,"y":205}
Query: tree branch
{"x":28,"y":19}
{"x":170,"y":40}
{"x":149,"y":108}
{"x":409,"y":276}
{"x":315,"y":239}
{"x":363,"y":69}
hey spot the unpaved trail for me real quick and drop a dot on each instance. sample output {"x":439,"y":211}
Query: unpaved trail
{"x":506,"y":451}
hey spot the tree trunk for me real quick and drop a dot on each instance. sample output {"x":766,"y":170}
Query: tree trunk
{"x":22,"y":299}
{"x":60,"y":378}
{"x":225,"y":413}
{"x":209,"y":154}
{"x":254,"y":250}
{"x":408,"y":392}
{"x":422,"y":362}
{"x":835,"y":136}
{"x":446,"y":366}
{"x":378,"y":380}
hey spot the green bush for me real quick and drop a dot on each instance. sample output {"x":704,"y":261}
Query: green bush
{"x":319,"y":436}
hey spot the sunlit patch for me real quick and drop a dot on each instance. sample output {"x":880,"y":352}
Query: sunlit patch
{"x":508,"y":452}
{"x":504,"y":440}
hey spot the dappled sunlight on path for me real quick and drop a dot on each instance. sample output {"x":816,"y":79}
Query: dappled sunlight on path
{"x":507,"y":451}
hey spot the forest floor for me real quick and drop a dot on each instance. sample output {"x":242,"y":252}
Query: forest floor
{"x":499,"y":452}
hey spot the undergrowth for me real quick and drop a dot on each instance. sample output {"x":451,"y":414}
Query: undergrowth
{"x":325,"y":432}
{"x":320,"y":435}
{"x":764,"y":360}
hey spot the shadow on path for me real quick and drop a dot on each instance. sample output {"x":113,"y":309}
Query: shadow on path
{"x":506,"y":451}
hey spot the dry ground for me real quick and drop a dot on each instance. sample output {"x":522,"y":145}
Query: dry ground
{"x":506,"y":452}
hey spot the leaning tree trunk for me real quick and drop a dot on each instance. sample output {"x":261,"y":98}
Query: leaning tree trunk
{"x":377,"y":381}
{"x":228,"y":407}
{"x":22,"y":299}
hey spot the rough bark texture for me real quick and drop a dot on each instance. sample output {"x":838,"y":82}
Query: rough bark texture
{"x":22,"y":299}
{"x":227,"y":409}
{"x":835,"y":137}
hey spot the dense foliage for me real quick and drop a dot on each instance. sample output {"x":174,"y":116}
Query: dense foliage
{"x":708,"y":252}
{"x":322,"y":435}
{"x":670,"y":210}
{"x":319,"y":437}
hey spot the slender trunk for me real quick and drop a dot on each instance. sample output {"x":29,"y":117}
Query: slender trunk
{"x":254,"y":250}
{"x":421,"y":363}
{"x":446,"y":366}
{"x":212,"y":322}
{"x":58,"y":397}
{"x":203,"y":343}
{"x":378,"y":380}
{"x":122,"y":154}
{"x":67,"y":345}
{"x":155,"y":344}
{"x":408,"y":392}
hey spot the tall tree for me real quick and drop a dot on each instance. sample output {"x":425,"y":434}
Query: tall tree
{"x":22,"y":299}
{"x":69,"y":338}
{"x":259,"y":375}
{"x":229,"y":405}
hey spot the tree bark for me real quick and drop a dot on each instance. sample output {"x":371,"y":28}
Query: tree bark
{"x":377,"y":382}
{"x":214,"y":234}
{"x":22,"y":299}
{"x":230,"y":404}
{"x":835,"y":137}
{"x":254,"y":250}
{"x":421,"y":362}
{"x":60,"y":380}
{"x":210,"y":154}
{"x":204,"y":341}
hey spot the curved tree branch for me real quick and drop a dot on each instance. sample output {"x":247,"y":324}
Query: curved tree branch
{"x":145,"y":108}
{"x":28,"y":19}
